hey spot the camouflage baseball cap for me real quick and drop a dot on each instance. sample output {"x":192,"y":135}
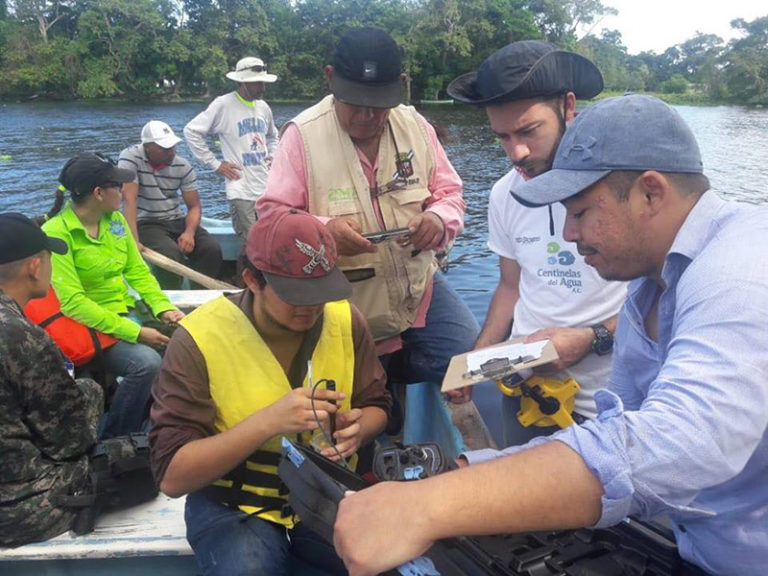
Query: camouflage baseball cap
{"x":297,"y":256}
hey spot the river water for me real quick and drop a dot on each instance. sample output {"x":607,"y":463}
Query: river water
{"x":37,"y":138}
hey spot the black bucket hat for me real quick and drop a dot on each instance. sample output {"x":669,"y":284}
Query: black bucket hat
{"x":527,"y":69}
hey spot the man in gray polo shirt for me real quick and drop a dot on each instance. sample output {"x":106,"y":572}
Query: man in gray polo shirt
{"x":152,"y":204}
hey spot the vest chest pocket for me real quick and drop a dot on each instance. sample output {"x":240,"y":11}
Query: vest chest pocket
{"x":403,"y":205}
{"x":343,"y":202}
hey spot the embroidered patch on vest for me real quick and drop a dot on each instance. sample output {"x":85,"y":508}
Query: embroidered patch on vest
{"x":404,"y":164}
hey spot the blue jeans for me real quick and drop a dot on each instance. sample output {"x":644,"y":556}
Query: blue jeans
{"x":227,"y":542}
{"x":451,"y":329}
{"x":136,"y":365}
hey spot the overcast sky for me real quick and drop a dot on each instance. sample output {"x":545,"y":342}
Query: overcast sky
{"x":658,"y":24}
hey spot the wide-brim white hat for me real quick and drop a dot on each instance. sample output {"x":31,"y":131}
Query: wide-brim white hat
{"x":251,"y":69}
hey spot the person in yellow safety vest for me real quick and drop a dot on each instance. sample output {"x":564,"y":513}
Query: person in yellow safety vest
{"x":247,"y":368}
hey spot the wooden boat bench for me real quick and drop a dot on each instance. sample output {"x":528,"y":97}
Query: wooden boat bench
{"x":146,"y":539}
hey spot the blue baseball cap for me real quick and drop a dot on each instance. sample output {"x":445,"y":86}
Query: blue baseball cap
{"x":632,"y":132}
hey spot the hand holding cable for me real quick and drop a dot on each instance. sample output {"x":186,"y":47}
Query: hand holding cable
{"x":295,"y":412}
{"x":347,"y":436}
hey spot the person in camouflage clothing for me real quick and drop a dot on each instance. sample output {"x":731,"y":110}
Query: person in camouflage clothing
{"x":48,"y":420}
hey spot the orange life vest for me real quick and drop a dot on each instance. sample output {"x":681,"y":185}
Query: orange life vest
{"x":78,"y":342}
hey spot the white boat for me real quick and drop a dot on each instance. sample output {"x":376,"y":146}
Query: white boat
{"x":151,"y":538}
{"x":225,"y":235}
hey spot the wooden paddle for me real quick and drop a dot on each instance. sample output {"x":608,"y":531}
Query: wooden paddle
{"x":172,"y":266}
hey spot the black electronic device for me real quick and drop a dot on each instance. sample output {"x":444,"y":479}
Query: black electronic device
{"x":315,"y":485}
{"x":395,"y":234}
{"x":331,"y":385}
{"x":414,"y":462}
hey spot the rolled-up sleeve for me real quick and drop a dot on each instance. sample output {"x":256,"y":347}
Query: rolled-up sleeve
{"x":703,"y":416}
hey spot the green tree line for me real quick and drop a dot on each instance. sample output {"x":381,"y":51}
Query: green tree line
{"x":151,"y":49}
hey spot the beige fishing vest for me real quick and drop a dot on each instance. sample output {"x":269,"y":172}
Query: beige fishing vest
{"x":388,"y":286}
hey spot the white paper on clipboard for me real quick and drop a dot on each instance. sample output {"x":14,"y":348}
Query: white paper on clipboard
{"x":532,"y":350}
{"x":461,"y":367}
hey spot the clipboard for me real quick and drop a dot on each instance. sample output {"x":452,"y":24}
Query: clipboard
{"x":459,"y":369}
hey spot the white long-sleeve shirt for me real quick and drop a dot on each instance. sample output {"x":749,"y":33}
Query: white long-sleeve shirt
{"x":248,"y":137}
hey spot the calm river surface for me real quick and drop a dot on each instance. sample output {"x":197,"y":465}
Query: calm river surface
{"x":36,"y":139}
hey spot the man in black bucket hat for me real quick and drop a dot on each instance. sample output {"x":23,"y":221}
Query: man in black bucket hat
{"x":546,"y":291}
{"x":246,"y":369}
{"x":364,"y":164}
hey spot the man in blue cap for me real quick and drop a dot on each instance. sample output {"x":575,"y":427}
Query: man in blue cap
{"x":529,"y":90}
{"x":682,"y":425}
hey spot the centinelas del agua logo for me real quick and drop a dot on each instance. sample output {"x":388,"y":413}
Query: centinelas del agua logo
{"x":557,"y":256}
{"x":567,"y":278}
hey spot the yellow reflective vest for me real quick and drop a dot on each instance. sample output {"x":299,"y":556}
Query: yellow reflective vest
{"x":245,"y":377}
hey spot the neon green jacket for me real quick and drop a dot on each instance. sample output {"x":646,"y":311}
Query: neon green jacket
{"x":90,"y":279}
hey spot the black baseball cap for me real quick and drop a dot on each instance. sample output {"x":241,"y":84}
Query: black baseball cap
{"x":82,"y":173}
{"x":527,"y":69}
{"x":21,"y":238}
{"x":366,"y":69}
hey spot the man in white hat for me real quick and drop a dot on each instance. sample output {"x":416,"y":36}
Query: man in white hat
{"x":243,"y":123}
{"x":152,"y":204}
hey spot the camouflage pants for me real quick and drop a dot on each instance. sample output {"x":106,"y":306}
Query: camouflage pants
{"x":40,"y":517}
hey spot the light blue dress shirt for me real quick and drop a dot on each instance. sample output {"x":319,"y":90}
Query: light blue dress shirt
{"x":683,"y":428}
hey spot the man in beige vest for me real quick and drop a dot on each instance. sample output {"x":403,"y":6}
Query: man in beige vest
{"x":363,"y":164}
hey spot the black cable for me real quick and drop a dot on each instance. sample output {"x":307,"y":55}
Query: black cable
{"x":322,"y":430}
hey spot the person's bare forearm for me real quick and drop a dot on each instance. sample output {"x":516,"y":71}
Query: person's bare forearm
{"x":611,"y":323}
{"x":203,"y":461}
{"x":498,"y":320}
{"x":547,"y":487}
{"x":501,"y":312}
{"x":130,"y":207}
{"x":192,"y":221}
{"x":372,"y":423}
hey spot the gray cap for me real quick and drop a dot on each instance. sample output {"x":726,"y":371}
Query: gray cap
{"x":633,"y":132}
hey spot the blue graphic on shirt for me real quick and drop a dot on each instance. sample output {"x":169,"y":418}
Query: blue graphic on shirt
{"x":258,"y":146}
{"x":568,"y":278}
{"x":117,"y":228}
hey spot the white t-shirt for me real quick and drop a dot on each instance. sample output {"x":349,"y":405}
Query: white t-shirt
{"x":556,"y":287}
{"x":248,"y":138}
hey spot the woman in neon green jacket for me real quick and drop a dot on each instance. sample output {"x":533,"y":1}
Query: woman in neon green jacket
{"x":92,"y":279}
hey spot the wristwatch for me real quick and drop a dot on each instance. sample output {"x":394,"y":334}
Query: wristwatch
{"x":603,"y":342}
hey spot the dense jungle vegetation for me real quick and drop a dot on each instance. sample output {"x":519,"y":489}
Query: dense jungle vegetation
{"x":156,"y":49}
